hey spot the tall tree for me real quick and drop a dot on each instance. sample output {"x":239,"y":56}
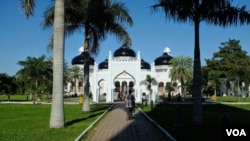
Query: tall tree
{"x":216,"y":12}
{"x":97,"y":19}
{"x":182,"y":70}
{"x":57,"y":108}
{"x":231,"y":61}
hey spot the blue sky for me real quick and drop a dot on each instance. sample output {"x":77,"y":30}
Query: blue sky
{"x":151,"y":33}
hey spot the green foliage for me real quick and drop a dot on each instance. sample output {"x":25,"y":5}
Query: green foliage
{"x":96,"y":18}
{"x":30,"y":122}
{"x":35,"y":75}
{"x":7,"y":85}
{"x":230,"y":61}
{"x":182,"y":70}
{"x":150,"y":80}
{"x":76,"y":75}
{"x":169,"y":87}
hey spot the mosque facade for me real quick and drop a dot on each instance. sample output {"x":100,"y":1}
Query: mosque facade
{"x":123,"y":70}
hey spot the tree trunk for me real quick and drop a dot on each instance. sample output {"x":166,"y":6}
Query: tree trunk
{"x":182,"y":90}
{"x":197,"y":107}
{"x":57,"y":108}
{"x":86,"y":107}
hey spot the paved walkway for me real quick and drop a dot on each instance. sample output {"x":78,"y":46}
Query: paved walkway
{"x":114,"y":127}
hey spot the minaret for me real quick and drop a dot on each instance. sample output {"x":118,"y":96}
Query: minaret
{"x":110,"y":55}
{"x":139,"y":55}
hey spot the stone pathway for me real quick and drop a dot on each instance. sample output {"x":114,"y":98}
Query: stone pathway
{"x":114,"y":127}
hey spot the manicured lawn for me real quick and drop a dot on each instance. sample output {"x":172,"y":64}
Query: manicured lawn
{"x":22,"y":98}
{"x":166,"y":116}
{"x":30,"y":122}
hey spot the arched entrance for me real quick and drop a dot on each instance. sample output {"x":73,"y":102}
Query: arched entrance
{"x":123,"y":83}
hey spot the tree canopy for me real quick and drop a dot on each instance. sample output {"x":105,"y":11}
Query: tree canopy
{"x":36,"y":74}
{"x":230,"y":61}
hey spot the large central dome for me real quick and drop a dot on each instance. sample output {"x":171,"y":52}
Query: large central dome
{"x":124,"y":52}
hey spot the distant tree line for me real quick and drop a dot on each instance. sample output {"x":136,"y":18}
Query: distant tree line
{"x":34,"y":77}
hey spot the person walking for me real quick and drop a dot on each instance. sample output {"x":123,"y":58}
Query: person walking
{"x":129,"y":103}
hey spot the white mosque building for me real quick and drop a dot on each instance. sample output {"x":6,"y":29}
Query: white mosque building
{"x":124,"y":70}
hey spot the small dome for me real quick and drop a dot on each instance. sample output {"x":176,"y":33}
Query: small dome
{"x":164,"y":58}
{"x":145,"y":65}
{"x":104,"y":64}
{"x":79,"y":59}
{"x":124,"y":51}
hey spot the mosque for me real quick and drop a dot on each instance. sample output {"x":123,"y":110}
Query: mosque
{"x":124,"y":70}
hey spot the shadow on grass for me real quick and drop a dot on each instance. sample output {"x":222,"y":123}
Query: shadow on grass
{"x":82,"y":119}
{"x":176,"y":118}
{"x":96,"y":111}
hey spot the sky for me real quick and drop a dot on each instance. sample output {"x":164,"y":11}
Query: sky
{"x":151,"y":33}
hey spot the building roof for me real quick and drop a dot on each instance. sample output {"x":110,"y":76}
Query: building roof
{"x":124,"y":52}
{"x":164,"y":58}
{"x":145,"y":65}
{"x":79,"y":59}
{"x":104,"y":64}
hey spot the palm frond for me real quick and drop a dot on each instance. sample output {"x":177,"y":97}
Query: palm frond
{"x":28,"y":7}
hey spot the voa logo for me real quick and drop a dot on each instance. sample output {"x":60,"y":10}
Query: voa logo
{"x":236,"y":132}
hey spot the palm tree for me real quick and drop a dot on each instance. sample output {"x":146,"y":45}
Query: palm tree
{"x":57,"y":109}
{"x":216,"y":12}
{"x":169,"y":88}
{"x":150,"y":80}
{"x":76,"y":76}
{"x":97,"y":19}
{"x":35,"y":72}
{"x":182,"y":68}
{"x":213,"y":79}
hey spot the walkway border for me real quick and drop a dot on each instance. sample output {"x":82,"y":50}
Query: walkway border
{"x":168,"y":135}
{"x":92,"y":124}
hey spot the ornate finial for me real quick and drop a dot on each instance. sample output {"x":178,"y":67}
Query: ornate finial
{"x":81,"y":49}
{"x":167,"y":50}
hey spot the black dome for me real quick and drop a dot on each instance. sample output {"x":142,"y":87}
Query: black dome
{"x":145,"y":65}
{"x":124,"y":51}
{"x":163,"y":59}
{"x":79,"y":59}
{"x":104,"y":64}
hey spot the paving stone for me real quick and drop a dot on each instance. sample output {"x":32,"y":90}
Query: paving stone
{"x":114,"y":127}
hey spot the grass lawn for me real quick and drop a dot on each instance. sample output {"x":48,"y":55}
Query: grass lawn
{"x":22,"y":98}
{"x":165,"y":115}
{"x":30,"y":122}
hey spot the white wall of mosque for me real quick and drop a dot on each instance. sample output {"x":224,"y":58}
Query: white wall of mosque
{"x":107,"y":84}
